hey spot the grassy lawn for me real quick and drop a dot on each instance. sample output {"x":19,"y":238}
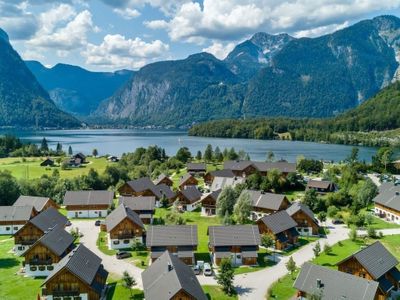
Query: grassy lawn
{"x":302,"y":242}
{"x":118,"y":291}
{"x":5,"y":237}
{"x":283,"y":289}
{"x":214,"y":292}
{"x":12,"y":286}
{"x":140,"y":259}
{"x":262,"y":263}
{"x":294,"y":195}
{"x":29,"y":168}
{"x":378,"y":223}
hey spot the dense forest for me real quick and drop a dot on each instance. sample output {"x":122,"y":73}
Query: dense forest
{"x":362,"y":125}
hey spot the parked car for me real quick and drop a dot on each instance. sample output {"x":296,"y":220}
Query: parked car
{"x":68,"y":223}
{"x":197,"y":270}
{"x":97,"y":223}
{"x":207,"y":269}
{"x":123,"y":254}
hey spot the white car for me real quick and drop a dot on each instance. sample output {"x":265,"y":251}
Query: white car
{"x":207,"y":269}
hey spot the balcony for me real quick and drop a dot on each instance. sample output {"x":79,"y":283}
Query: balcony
{"x":125,"y":236}
{"x":25,"y":242}
{"x":36,"y":262}
{"x":59,"y":293}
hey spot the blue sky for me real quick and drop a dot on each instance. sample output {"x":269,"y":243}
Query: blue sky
{"x":116,"y":34}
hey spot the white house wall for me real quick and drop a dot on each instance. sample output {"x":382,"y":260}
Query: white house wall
{"x":87,"y":213}
{"x":11,"y":229}
{"x":37,"y":272}
{"x":83,"y":297}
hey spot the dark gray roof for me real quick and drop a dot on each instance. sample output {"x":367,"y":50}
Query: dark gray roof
{"x":191,"y":193}
{"x":389,"y":196}
{"x":119,"y":214}
{"x":278,"y":222}
{"x":265,"y":200}
{"x":167,"y":276}
{"x":15,"y":213}
{"x":56,"y":239}
{"x":49,"y":218}
{"x":196,"y":166}
{"x":319,"y":184}
{"x":141,"y":184}
{"x":335,"y":284}
{"x":237,"y":165}
{"x":221,"y":182}
{"x":234,"y":235}
{"x":184,"y":178}
{"x":222,"y":173}
{"x":161,"y":177}
{"x":139,"y":203}
{"x":81,"y":262}
{"x":161,"y":189}
{"x":172,"y":235}
{"x":299,"y":206}
{"x":283,"y":166}
{"x":214,"y":195}
{"x":37,"y":202}
{"x":376,"y":259}
{"x":88,"y":198}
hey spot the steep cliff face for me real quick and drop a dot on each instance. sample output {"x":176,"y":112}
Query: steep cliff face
{"x":23,"y":102}
{"x":268,"y":75}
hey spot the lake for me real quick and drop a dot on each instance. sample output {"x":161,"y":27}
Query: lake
{"x":118,"y":141}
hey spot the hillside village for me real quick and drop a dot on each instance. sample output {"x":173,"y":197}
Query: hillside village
{"x":210,"y":228}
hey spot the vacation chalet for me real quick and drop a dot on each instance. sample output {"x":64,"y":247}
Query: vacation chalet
{"x":145,"y":187}
{"x":168,"y":278}
{"x":79,"y":158}
{"x":374,"y":262}
{"x":209,"y":176}
{"x":220,"y":182}
{"x":36,"y":227}
{"x":324,"y":283}
{"x":187,"y":180}
{"x":209,"y":203}
{"x":12,"y":218}
{"x":387,"y":202}
{"x":321,"y":186}
{"x":163,"y":179}
{"x":88,"y":204}
{"x":237,"y":242}
{"x":144,"y":206}
{"x":282,"y":227}
{"x":198,"y":169}
{"x":48,"y":162}
{"x":266,"y":203}
{"x":180,"y":240}
{"x":41,"y":258}
{"x":79,"y":275}
{"x":39,"y":203}
{"x":188,"y":197}
{"x":124,"y":228}
{"x":307,"y":224}
{"x":245,"y":168}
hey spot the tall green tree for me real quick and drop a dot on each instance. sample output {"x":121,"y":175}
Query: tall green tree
{"x":59,"y":148}
{"x":9,"y":188}
{"x":70,"y":150}
{"x":226,"y":201}
{"x":128,"y":281}
{"x":183,"y":154}
{"x":95,"y":152}
{"x":208,"y":153}
{"x":218,"y":157}
{"x":226,"y":276}
{"x":291,"y":266}
{"x":270,"y":156}
{"x":198,"y":155}
{"x":44,"y":147}
{"x":242,"y":208}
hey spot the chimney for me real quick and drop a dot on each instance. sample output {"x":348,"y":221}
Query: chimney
{"x":319,"y":283}
{"x":169,"y":267}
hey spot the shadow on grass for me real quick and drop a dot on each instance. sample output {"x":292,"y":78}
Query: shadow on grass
{"x":137,"y":295}
{"x":7,"y":263}
{"x":204,"y":256}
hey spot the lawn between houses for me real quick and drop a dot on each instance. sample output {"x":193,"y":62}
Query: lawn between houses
{"x":283,"y":288}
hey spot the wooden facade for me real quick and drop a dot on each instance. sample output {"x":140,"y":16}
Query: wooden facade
{"x":284,"y":205}
{"x":305,"y":221}
{"x":126,"y":229}
{"x":249,"y":170}
{"x":387,"y":212}
{"x":78,"y":208}
{"x":167,"y":181}
{"x":50,"y":203}
{"x":174,"y":250}
{"x":41,"y":255}
{"x":182,"y":295}
{"x":234,"y":250}
{"x":28,"y":235}
{"x":66,"y":284}
{"x":190,"y":181}
{"x":279,"y":245}
{"x":127,"y":190}
{"x":352,"y":266}
{"x":209,"y":205}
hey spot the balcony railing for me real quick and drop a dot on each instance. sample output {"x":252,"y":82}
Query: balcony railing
{"x":125,"y":236}
{"x":58,"y":293}
{"x":25,"y":242}
{"x":36,"y":262}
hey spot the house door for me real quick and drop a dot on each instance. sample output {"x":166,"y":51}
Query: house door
{"x":100,"y":214}
{"x":76,"y":214}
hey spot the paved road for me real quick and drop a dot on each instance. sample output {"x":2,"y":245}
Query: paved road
{"x":111,"y":264}
{"x":375,"y":179}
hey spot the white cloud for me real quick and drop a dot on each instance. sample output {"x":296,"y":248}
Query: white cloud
{"x":220,"y":50}
{"x":322,"y":30}
{"x":166,"y":6}
{"x":116,"y":51}
{"x":234,"y":19}
{"x":127,"y":13}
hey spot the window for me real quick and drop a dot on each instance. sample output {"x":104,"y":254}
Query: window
{"x":126,"y":241}
{"x":33,"y":268}
{"x":305,"y":229}
{"x":42,"y":268}
{"x":15,"y":228}
{"x":80,"y":212}
{"x":116,"y":242}
{"x":50,"y":268}
{"x":78,"y":298}
{"x":8,"y":228}
{"x":20,"y":248}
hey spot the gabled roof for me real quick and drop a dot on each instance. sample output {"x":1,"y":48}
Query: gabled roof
{"x":299,"y":206}
{"x":262,"y":199}
{"x":319,"y":184}
{"x":240,"y":165}
{"x":37,"y":202}
{"x":160,"y":178}
{"x":334,"y":284}
{"x":56,"y":239}
{"x":88,"y":198}
{"x":185,"y":178}
{"x":141,"y":184}
{"x":167,"y":276}
{"x":82,"y":263}
{"x":234,"y":235}
{"x":376,"y":259}
{"x":237,"y":165}
{"x":222,"y":173}
{"x":196,"y":166}
{"x":172,"y":235}
{"x":119,"y":214}
{"x":221,"y":182}
{"x":139,"y":203}
{"x":278,"y":222}
{"x":214,"y":195}
{"x":191,"y":193}
{"x":16,"y":213}
{"x":389,"y":196}
{"x":49,"y":218}
{"x":161,"y":189}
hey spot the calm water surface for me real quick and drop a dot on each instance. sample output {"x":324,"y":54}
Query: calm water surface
{"x":118,"y":141}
